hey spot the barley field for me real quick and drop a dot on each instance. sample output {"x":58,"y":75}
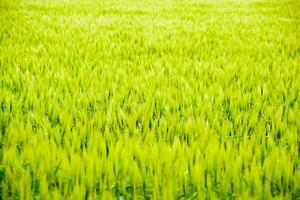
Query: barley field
{"x":149,"y":99}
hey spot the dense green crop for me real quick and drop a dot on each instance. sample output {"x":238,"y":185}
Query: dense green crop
{"x":141,"y":99}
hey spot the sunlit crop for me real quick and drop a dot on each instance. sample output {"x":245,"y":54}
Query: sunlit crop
{"x":149,"y":99}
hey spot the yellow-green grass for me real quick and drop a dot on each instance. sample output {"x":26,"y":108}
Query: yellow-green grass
{"x":141,"y":99}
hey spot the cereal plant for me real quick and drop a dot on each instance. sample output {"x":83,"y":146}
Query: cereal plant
{"x":148,"y":99}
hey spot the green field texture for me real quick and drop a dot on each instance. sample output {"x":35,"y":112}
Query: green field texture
{"x":148,"y":99}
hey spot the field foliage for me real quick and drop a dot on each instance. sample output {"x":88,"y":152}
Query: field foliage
{"x":169,"y":99}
